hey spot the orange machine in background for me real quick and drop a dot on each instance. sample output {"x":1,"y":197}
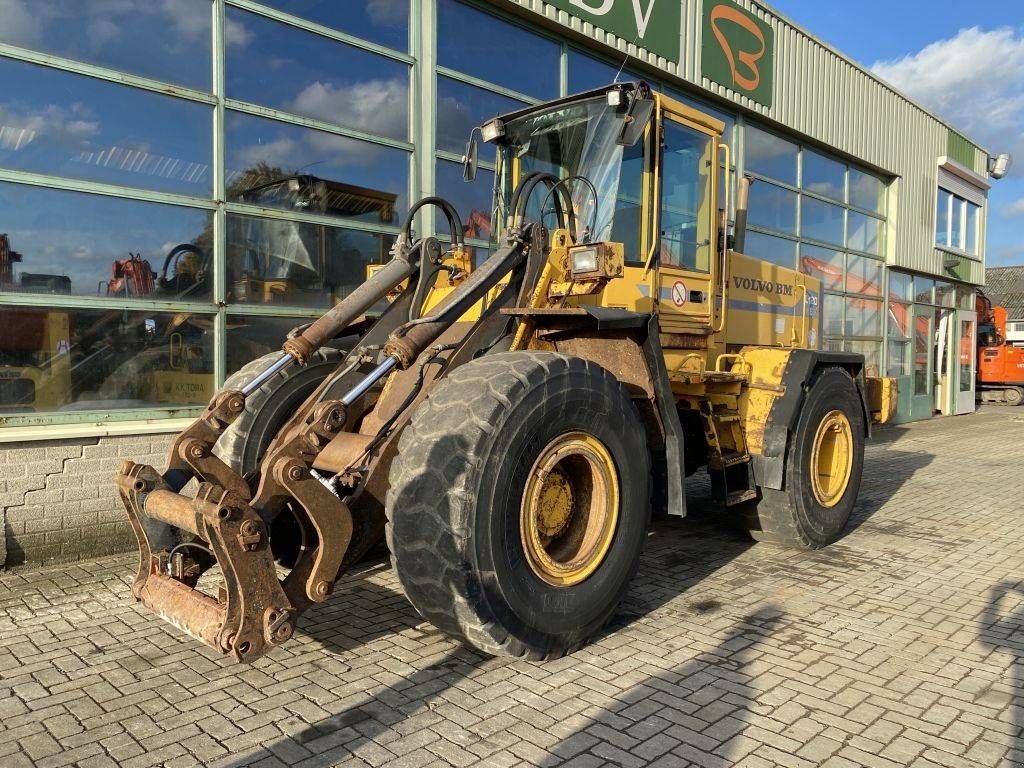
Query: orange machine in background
{"x":1000,"y":364}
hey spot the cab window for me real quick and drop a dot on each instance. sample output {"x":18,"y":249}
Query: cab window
{"x":687,"y":165}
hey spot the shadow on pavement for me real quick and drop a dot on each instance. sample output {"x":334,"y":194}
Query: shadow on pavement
{"x":682,"y":703}
{"x":1002,"y":629}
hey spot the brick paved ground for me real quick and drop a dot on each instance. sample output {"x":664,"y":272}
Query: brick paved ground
{"x":900,"y":645}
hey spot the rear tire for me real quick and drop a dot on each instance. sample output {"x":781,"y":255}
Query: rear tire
{"x":458,"y":510}
{"x":810,"y":513}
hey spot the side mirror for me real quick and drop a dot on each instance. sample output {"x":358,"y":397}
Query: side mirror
{"x":635,"y":120}
{"x":469,"y":158}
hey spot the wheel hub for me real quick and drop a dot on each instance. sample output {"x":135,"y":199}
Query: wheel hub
{"x":570,"y":509}
{"x":832,"y":459}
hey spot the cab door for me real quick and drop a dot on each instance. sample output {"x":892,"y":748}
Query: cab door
{"x":687,"y":227}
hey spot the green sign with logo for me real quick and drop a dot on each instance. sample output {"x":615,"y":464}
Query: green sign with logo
{"x":738,"y":50}
{"x":651,"y":24}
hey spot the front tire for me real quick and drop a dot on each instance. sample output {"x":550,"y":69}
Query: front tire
{"x":519,"y":503}
{"x":823,"y":469}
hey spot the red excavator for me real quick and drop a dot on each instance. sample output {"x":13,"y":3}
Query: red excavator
{"x":1000,"y":363}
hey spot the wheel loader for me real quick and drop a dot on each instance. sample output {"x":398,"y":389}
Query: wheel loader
{"x":509,"y":427}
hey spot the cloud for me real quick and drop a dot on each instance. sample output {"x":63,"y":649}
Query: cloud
{"x":237,"y":34}
{"x":975,"y":80}
{"x":387,"y":12}
{"x":1016,"y":208}
{"x":21,"y":26}
{"x":70,"y":127}
{"x":374,"y":106}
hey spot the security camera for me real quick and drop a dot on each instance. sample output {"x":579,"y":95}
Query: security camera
{"x":998,"y":166}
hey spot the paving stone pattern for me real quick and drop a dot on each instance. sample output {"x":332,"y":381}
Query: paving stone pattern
{"x":900,"y":645}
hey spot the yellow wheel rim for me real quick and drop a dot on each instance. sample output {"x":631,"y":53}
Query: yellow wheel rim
{"x":832,"y":459}
{"x":570,"y":509}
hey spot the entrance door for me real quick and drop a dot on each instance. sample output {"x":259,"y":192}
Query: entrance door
{"x":944,"y":361}
{"x":687,"y":239}
{"x":923,"y":402}
{"x":966,"y":361}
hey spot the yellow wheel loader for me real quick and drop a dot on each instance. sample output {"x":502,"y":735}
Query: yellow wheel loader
{"x":501,"y":424}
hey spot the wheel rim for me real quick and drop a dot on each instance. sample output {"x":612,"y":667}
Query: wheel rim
{"x":1014,"y":396}
{"x":570,"y":509}
{"x":832,"y":458}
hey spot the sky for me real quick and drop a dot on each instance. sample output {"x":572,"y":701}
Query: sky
{"x":963,"y":61}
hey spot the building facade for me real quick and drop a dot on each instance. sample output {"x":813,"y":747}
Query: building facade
{"x":183,"y":182}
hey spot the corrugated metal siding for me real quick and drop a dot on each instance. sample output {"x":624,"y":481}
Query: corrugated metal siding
{"x":826,"y":98}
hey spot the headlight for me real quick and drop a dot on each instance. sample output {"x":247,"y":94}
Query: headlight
{"x":583,"y":261}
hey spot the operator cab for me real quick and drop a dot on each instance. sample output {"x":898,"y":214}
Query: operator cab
{"x":615,"y":150}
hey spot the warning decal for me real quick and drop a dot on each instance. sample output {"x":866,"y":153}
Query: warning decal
{"x":678,"y":293}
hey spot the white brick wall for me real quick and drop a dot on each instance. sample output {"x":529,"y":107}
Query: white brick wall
{"x":59,"y":498}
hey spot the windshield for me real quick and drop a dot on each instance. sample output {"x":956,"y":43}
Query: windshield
{"x":579,"y":143}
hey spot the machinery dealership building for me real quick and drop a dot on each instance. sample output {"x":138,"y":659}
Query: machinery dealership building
{"x":183,"y":182}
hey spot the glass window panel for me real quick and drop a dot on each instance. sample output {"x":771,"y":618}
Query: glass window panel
{"x":484,"y":46}
{"x":777,"y":250}
{"x":863,"y":317}
{"x":872,"y":351}
{"x":472,"y":201}
{"x":772,"y":207}
{"x":864,"y":275}
{"x":945,"y":294}
{"x":899,"y":358}
{"x":167,"y":41}
{"x":769,"y":155}
{"x":249,"y":338}
{"x":71,"y":125}
{"x":945,"y":200}
{"x":965,"y":297}
{"x":864,"y":233}
{"x":316,"y":77}
{"x":832,"y":315}
{"x":971,"y":236}
{"x":86,"y":245}
{"x":901,"y":286}
{"x":277,"y":165}
{"x":586,"y":72}
{"x":462,"y":107}
{"x":380,"y":21}
{"x":821,"y":221}
{"x":957,"y":223}
{"x":922,"y":351}
{"x":899,"y":319}
{"x":923,"y":289}
{"x":685,"y":188}
{"x":270,"y":261}
{"x":824,"y":264}
{"x":823,"y":176}
{"x":866,"y":191}
{"x":68,"y":359}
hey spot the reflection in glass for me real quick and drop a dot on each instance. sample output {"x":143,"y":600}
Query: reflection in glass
{"x":271,"y":164}
{"x":71,"y":125}
{"x":945,"y":202}
{"x":69,"y":359}
{"x":900,"y":286}
{"x":945,"y":294}
{"x":586,"y":72}
{"x":167,"y":41}
{"x":87,"y":245}
{"x":472,"y":200}
{"x":686,"y":157}
{"x":959,"y":214}
{"x":317,"y":77}
{"x":777,"y":250}
{"x":381,"y":21}
{"x":479,"y":44}
{"x":249,"y":338}
{"x":872,"y":351}
{"x":462,"y":107}
{"x":899,"y":358}
{"x":923,"y":289}
{"x":823,"y":176}
{"x":729,"y":120}
{"x":863,"y":233}
{"x":772,"y":207}
{"x":864,"y":275}
{"x":866,"y":191}
{"x":863,"y":317}
{"x":971,"y":237}
{"x":832,"y":315}
{"x":821,"y":221}
{"x":824,"y":264}
{"x":922,"y":351}
{"x":769,"y":155}
{"x":271,"y":261}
